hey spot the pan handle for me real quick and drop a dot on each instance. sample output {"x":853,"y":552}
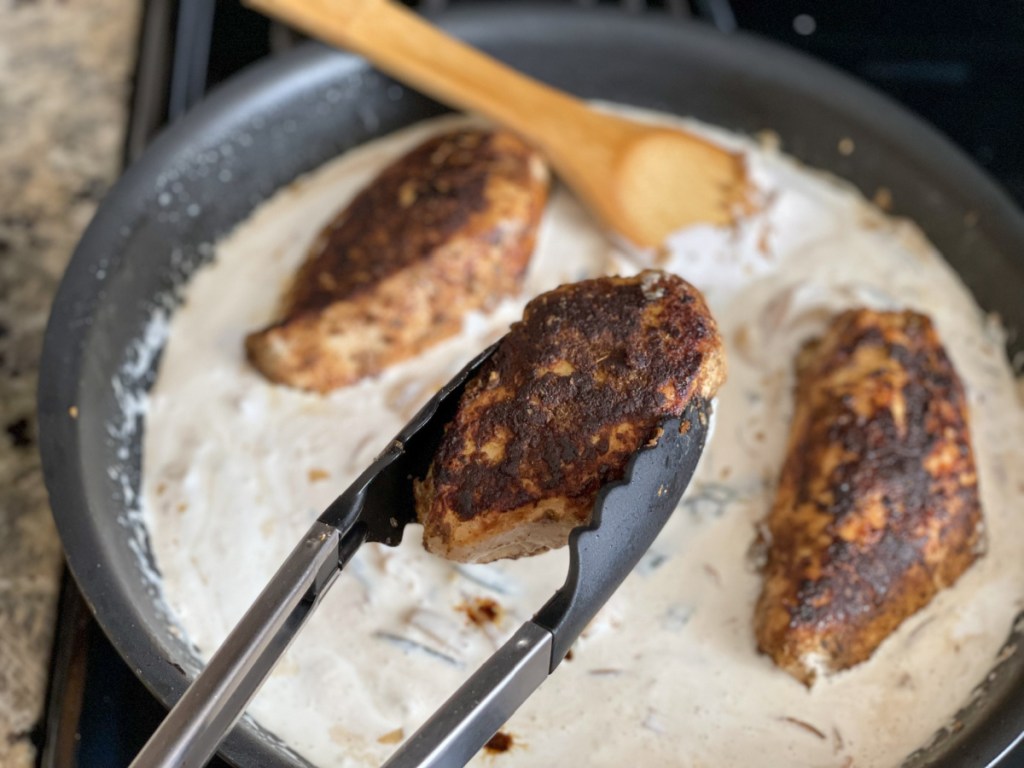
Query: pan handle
{"x":216,"y":699}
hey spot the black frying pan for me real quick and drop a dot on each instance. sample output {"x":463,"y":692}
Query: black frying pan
{"x":289,"y":115}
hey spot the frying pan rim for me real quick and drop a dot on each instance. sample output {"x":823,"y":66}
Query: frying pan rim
{"x":80,"y":293}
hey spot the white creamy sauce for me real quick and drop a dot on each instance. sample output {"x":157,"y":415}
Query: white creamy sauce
{"x":668,"y":674}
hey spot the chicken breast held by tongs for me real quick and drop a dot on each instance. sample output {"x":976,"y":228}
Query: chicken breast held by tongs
{"x":570,"y":394}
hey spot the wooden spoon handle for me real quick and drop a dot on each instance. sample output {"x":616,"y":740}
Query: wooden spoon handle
{"x":416,"y":52}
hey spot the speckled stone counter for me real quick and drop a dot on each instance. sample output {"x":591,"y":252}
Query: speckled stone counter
{"x":64,"y":72}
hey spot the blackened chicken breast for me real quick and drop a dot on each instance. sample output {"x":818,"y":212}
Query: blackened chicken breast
{"x":571,"y":393}
{"x":448,"y":228}
{"x":877,"y":507}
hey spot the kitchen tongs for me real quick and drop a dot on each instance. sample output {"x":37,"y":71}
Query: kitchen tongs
{"x":626,"y":519}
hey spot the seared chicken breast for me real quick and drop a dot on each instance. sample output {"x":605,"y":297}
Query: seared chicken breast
{"x":877,"y":507}
{"x":570,"y":394}
{"x":448,"y":228}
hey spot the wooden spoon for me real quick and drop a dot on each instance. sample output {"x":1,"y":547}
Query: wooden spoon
{"x":643,"y":181}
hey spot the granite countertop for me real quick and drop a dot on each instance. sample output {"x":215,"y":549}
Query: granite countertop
{"x":64,"y":82}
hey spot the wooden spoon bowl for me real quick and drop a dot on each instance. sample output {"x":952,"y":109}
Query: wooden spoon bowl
{"x":644,"y":182}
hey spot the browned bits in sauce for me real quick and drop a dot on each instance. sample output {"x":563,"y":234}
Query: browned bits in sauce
{"x":764,"y":241}
{"x":805,"y":726}
{"x":392,"y":737}
{"x":837,"y":739}
{"x":500,"y":742}
{"x":569,"y":655}
{"x":483,"y":610}
{"x":316,"y":475}
{"x":713,"y":574}
{"x":883,"y":198}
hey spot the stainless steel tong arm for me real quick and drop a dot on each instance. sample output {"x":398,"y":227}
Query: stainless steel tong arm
{"x":376,"y":507}
{"x":627,"y":517}
{"x":482,"y":705}
{"x":197,"y":723}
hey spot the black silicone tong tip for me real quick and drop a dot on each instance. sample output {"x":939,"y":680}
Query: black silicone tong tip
{"x":627,"y":517}
{"x":387,"y":483}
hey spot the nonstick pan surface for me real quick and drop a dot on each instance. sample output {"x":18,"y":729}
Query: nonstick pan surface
{"x":289,"y":115}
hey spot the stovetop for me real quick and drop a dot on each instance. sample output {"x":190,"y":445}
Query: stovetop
{"x":960,"y":66}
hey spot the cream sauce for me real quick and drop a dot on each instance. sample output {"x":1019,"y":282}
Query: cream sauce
{"x":668,"y":674}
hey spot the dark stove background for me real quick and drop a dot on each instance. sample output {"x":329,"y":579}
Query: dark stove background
{"x":959,"y":65}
